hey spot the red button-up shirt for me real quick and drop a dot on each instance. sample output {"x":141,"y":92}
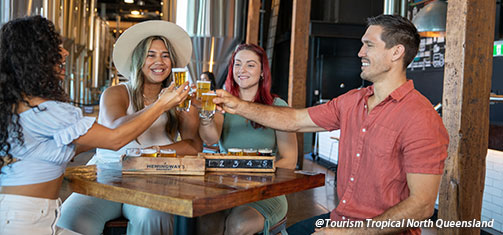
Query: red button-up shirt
{"x":403,"y":134}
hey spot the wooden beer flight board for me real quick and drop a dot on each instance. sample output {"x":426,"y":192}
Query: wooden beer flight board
{"x":222,"y":162}
{"x":187,"y":165}
{"x":197,"y":165}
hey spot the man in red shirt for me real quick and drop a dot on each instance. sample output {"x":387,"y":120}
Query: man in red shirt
{"x":392,"y":146}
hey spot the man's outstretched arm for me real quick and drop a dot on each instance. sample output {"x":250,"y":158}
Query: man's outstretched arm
{"x":279,"y":118}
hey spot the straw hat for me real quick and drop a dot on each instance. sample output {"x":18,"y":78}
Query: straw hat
{"x":124,"y":46}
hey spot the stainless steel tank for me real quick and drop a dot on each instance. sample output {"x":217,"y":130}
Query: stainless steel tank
{"x":86,"y":37}
{"x":216,"y":27}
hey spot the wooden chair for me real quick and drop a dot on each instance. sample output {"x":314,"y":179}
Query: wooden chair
{"x":278,"y":227}
{"x":116,"y":226}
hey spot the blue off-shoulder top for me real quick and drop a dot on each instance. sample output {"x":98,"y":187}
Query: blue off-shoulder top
{"x":48,"y":133}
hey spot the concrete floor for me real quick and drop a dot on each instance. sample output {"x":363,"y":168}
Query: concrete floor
{"x":322,"y":199}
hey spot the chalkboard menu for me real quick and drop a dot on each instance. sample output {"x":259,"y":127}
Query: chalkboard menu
{"x":431,"y":54}
{"x":220,"y":162}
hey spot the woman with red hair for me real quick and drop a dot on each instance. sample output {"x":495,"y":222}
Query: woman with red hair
{"x":249,"y":78}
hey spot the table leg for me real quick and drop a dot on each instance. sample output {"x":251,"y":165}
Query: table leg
{"x":185,"y":225}
{"x":316,"y":148}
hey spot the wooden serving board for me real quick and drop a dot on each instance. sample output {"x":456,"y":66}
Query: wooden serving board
{"x":222,"y":162}
{"x":187,"y":165}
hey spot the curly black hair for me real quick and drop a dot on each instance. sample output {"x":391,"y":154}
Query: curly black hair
{"x":29,"y":56}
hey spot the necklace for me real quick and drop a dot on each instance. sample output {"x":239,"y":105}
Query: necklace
{"x":149,"y":100}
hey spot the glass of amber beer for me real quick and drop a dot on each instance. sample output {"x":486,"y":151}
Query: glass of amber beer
{"x":202,"y":87}
{"x":250,"y":152}
{"x":167,"y":153}
{"x":180,"y":75}
{"x":148,"y":152}
{"x":235,"y":152}
{"x":208,"y":107}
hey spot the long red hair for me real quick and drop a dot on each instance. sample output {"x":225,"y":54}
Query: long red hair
{"x":263,"y":95}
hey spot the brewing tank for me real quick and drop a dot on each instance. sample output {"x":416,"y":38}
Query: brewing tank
{"x":215,"y":27}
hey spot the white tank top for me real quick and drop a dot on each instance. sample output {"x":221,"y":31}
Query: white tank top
{"x":155,"y":135}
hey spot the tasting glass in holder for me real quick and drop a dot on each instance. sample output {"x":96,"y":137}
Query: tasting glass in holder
{"x":149,"y":152}
{"x":133,"y":152}
{"x":235,"y":151}
{"x":167,"y":153}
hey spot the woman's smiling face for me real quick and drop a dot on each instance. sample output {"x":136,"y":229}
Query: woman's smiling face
{"x":157,"y":65}
{"x":247,"y":69}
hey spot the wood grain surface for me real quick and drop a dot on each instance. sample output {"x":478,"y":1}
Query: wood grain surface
{"x":189,"y":196}
{"x":467,"y":84}
{"x":299,"y":53}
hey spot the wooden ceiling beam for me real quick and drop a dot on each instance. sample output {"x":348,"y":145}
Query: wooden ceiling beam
{"x":253,"y":23}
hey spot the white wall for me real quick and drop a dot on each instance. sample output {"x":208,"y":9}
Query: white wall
{"x":492,"y":204}
{"x":326,"y":144}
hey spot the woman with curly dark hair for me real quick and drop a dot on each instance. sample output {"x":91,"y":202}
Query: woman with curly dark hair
{"x":40,"y":133}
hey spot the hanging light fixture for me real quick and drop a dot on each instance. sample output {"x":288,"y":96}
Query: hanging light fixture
{"x":129,"y":1}
{"x":430,"y":20}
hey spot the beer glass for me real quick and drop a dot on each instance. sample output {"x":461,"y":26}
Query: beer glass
{"x":265,"y":152}
{"x":133,"y":152}
{"x":149,"y":153}
{"x":184,"y":105}
{"x":208,"y":107}
{"x":235,"y":152}
{"x":250,"y":152}
{"x":202,"y":87}
{"x":180,"y":75}
{"x":167,"y":153}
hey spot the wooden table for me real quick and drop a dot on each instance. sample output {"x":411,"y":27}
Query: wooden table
{"x":188,"y":196}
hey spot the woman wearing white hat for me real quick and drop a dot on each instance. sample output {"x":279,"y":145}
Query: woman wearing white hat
{"x":145,"y":53}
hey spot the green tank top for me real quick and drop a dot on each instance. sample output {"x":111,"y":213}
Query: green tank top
{"x":237,"y":132}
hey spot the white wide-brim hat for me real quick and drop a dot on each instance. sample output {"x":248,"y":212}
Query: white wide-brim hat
{"x":127,"y":42}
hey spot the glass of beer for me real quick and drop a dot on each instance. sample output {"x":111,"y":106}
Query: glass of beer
{"x":235,"y":152}
{"x":202,"y":87}
{"x":265,"y":152}
{"x":184,"y":105}
{"x":167,"y":153}
{"x":149,"y":153}
{"x":250,"y":152}
{"x":180,"y":75}
{"x":208,"y":107}
{"x":133,"y":152}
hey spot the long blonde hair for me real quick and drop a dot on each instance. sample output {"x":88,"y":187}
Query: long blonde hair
{"x":137,"y":79}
